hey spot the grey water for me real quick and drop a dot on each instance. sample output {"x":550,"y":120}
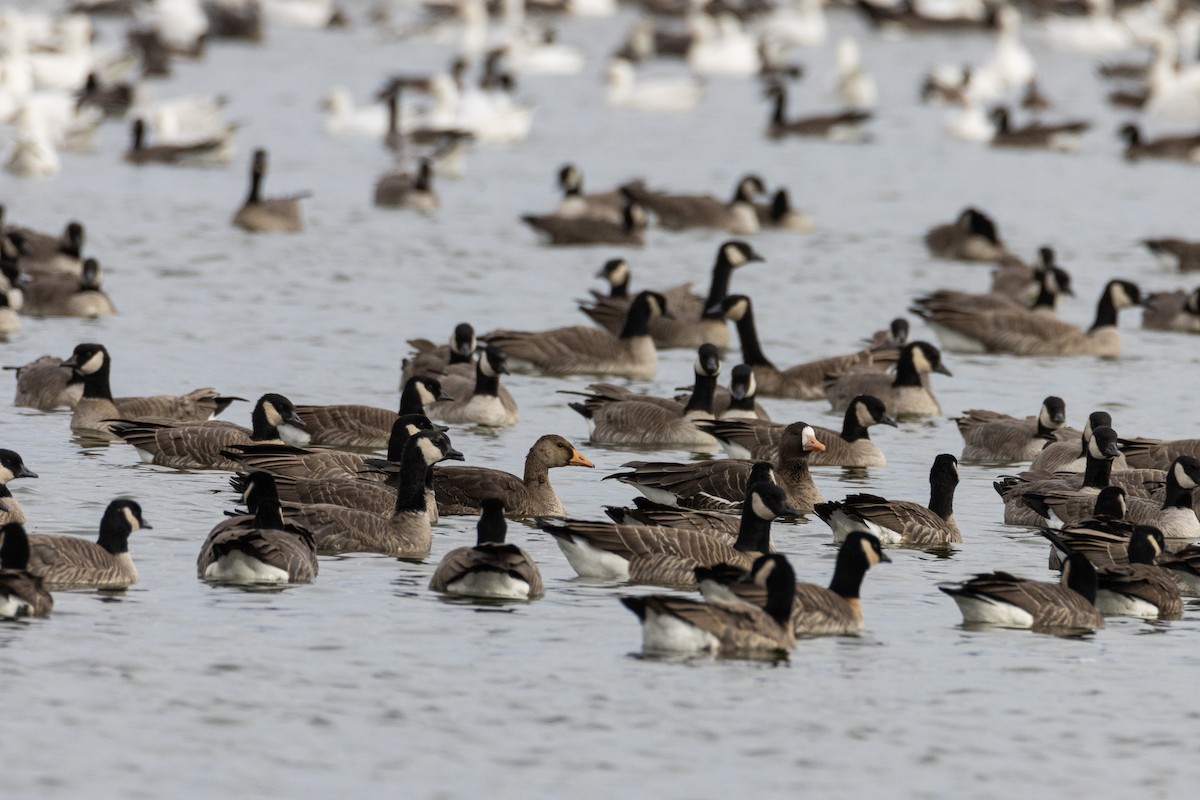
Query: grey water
{"x":365,"y":682}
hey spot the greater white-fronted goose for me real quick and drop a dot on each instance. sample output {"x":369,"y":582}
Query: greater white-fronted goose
{"x":630,"y":231}
{"x":907,"y":394}
{"x":722,"y":483}
{"x":72,"y":562}
{"x":971,"y":237}
{"x":851,"y":447}
{"x":578,"y":349}
{"x":492,"y":568}
{"x":1027,"y":333}
{"x":96,"y":407}
{"x":731,"y":628}
{"x":67,"y":295}
{"x":403,"y":189}
{"x":623,"y":417}
{"x":1062,"y":136}
{"x":461,"y":490}
{"x":694,"y":320}
{"x":198,"y":445}
{"x":902,"y":522}
{"x":12,"y":466}
{"x":353,"y":425}
{"x":800,"y":382}
{"x":1172,"y":311}
{"x":1137,"y":588}
{"x":268,"y":214}
{"x":1006,"y":601}
{"x":405,"y":532}
{"x":22,"y":593}
{"x":206,"y":152}
{"x":668,"y":556}
{"x":990,"y":436}
{"x":843,"y":126}
{"x":1175,"y":148}
{"x":816,"y":610}
{"x":684,"y":211}
{"x":261,"y":548}
{"x":478,"y":399}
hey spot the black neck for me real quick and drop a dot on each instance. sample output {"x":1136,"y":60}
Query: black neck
{"x":424,"y":177}
{"x":906,"y":373}
{"x":619,"y":289}
{"x":637,"y":321}
{"x":941,"y":497}
{"x":268,"y":514}
{"x":95,"y":386}
{"x":779,"y":114}
{"x":256,"y":177}
{"x":397,"y":442}
{"x":1106,"y":311}
{"x":261,"y":429}
{"x":847,"y":574}
{"x":754,"y":533}
{"x":703,"y":393}
{"x":1174,"y":495}
{"x":492,"y":527}
{"x":852,"y":429}
{"x":114,"y":533}
{"x":410,"y":398}
{"x":718,"y":288}
{"x":1096,"y":471}
{"x":410,"y":491}
{"x":488,"y":385}
{"x":752,"y":353}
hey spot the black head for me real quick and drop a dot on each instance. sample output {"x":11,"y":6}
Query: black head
{"x":653,"y":304}
{"x":1053,"y":414}
{"x":944,"y":470}
{"x":277,"y":411}
{"x":708,"y":360}
{"x":1145,"y":544}
{"x":742,"y":383}
{"x":899,"y":330}
{"x":615,"y":271}
{"x":1186,"y":472}
{"x":428,"y":390}
{"x":492,"y":525}
{"x":733,"y":307}
{"x":735,"y":253}
{"x":980,"y":224}
{"x":14,"y":547}
{"x":1131,"y":134}
{"x":1097,"y":419}
{"x":870,"y":410}
{"x":417,"y":422}
{"x":259,"y":488}
{"x":570,"y":179}
{"x":767,"y":501}
{"x":1192,"y":304}
{"x":462,"y":342}
{"x":434,"y":446}
{"x":258,"y":162}
{"x":13,"y":466}
{"x":862,"y":549}
{"x":1111,"y":503}
{"x":1046,"y":256}
{"x":1079,"y":575}
{"x":493,"y":361}
{"x":1103,"y":444}
{"x":924,"y":358}
{"x":91,"y":274}
{"x":1123,"y":294}
{"x":72,"y":238}
{"x":760,"y":472}
{"x":775,"y":574}
{"x":88,"y":358}
{"x":750,"y":187}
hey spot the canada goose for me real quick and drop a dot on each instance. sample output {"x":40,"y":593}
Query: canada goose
{"x":972,"y":237}
{"x":492,"y":568}
{"x":630,"y":231}
{"x":1049,"y":283}
{"x":1063,"y":136}
{"x":851,"y":447}
{"x":780,"y":215}
{"x":616,"y":273}
{"x":43,"y":253}
{"x":800,"y":382}
{"x":1173,"y":515}
{"x":1026,"y":333}
{"x":352,"y":425}
{"x":740,"y":400}
{"x":607,"y":206}
{"x":1103,"y":537}
{"x":1143,"y":453}
{"x":203,"y":153}
{"x":45,"y":384}
{"x":1018,"y":280}
{"x":1177,"y":148}
{"x":1172,"y":311}
{"x":1137,"y":588}
{"x":96,"y":407}
{"x":72,"y":562}
{"x":990,"y":436}
{"x":1185,"y":255}
{"x":902,"y":522}
{"x":400,"y":189}
{"x":1004,"y":600}
{"x":694,"y":321}
{"x":198,"y":445}
{"x":816,"y":610}
{"x":672,"y":624}
{"x":643,"y":554}
{"x":270,"y":214}
{"x":723,"y":482}
{"x":366,"y":490}
{"x":1100,"y":451}
{"x":685,"y":211}
{"x":633,"y":419}
{"x":21,"y":592}
{"x":1069,"y":454}
{"x":431,"y":359}
{"x":906,"y":395}
{"x":66,"y":295}
{"x":460,"y":490}
{"x":10,"y":321}
{"x":480,"y":400}
{"x":579,"y":349}
{"x":261,"y":548}
{"x":12,"y":466}
{"x":842,"y":126}
{"x":895,"y":336}
{"x":656,"y":515}
{"x":403,"y":533}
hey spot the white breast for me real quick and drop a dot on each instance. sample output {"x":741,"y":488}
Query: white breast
{"x":593,"y":562}
{"x":1116,"y":604}
{"x":490,"y":584}
{"x":663,"y":633}
{"x":991,"y":612}
{"x":237,"y":567}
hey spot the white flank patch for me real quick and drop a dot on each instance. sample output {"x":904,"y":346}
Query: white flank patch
{"x":490,"y":584}
{"x":237,"y":567}
{"x":734,"y":450}
{"x":956,"y":342}
{"x":592,"y":562}
{"x":844,"y":524}
{"x":660,"y":496}
{"x":12,"y":607}
{"x":1115,"y":604}
{"x":296,"y":437}
{"x":991,"y":612}
{"x":663,"y":633}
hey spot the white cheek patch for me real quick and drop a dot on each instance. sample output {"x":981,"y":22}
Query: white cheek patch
{"x":430,"y":451}
{"x":1120,"y":297}
{"x":274,"y":418}
{"x":6,"y":474}
{"x":93,"y":364}
{"x":920,"y":362}
{"x":751,"y":385}
{"x":734,"y":255}
{"x":1094,"y":449}
{"x":863,"y":415}
{"x":485,"y":366}
{"x":869,"y":552}
{"x":760,"y":508}
{"x":619,"y":274}
{"x":131,"y":519}
{"x":764,"y":572}
{"x":425,"y":395}
{"x":1183,"y":479}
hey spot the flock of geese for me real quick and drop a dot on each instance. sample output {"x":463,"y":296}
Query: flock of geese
{"x":1119,"y":511}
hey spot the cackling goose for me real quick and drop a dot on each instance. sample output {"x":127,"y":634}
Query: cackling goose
{"x":1172,"y":311}
{"x":989,"y":436}
{"x":1177,"y":148}
{"x":685,"y":211}
{"x":478,"y":400}
{"x":630,"y":231}
{"x":843,"y":126}
{"x":66,"y":295}
{"x":401,"y":189}
{"x":1004,"y":600}
{"x":72,"y":562}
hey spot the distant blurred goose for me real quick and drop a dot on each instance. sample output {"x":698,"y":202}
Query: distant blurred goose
{"x":842,"y":126}
{"x":202,"y":153}
{"x":608,"y":206}
{"x":1061,"y":136}
{"x":1182,"y":254}
{"x":779,"y":214}
{"x":65,"y":295}
{"x":492,"y":568}
{"x":435,"y":360}
{"x":588,"y":230}
{"x":906,"y":394}
{"x":1069,"y":454}
{"x":669,"y":94}
{"x":353,"y":425}
{"x":267,"y":214}
{"x":1177,"y":148}
{"x":972,"y":237}
{"x":686,"y":211}
{"x":1172,"y":311}
{"x":401,"y":189}
{"x":72,"y":562}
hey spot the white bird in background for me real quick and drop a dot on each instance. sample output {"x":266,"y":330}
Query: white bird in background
{"x":1174,"y":90}
{"x":33,"y":154}
{"x":299,"y":13}
{"x":670,"y":93}
{"x":344,"y":118}
{"x":1097,"y":32}
{"x":856,"y":87}
{"x":1011,"y":66}
{"x":970,"y":123}
{"x":721,"y":46}
{"x":180,"y":23}
{"x":801,"y":26}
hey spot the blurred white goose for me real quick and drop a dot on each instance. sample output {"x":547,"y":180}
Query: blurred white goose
{"x":856,"y":87}
{"x":1096,"y":32}
{"x":179,"y":23}
{"x":1174,"y":90}
{"x":970,"y":123}
{"x":344,"y":118}
{"x":299,"y":13}
{"x":531,"y":50}
{"x":33,"y":154}
{"x":182,"y":119}
{"x":57,"y":115}
{"x":721,"y":47}
{"x":671,"y":93}
{"x":801,"y":25}
{"x":1011,"y":65}
{"x":491,"y":115}
{"x":67,"y":66}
